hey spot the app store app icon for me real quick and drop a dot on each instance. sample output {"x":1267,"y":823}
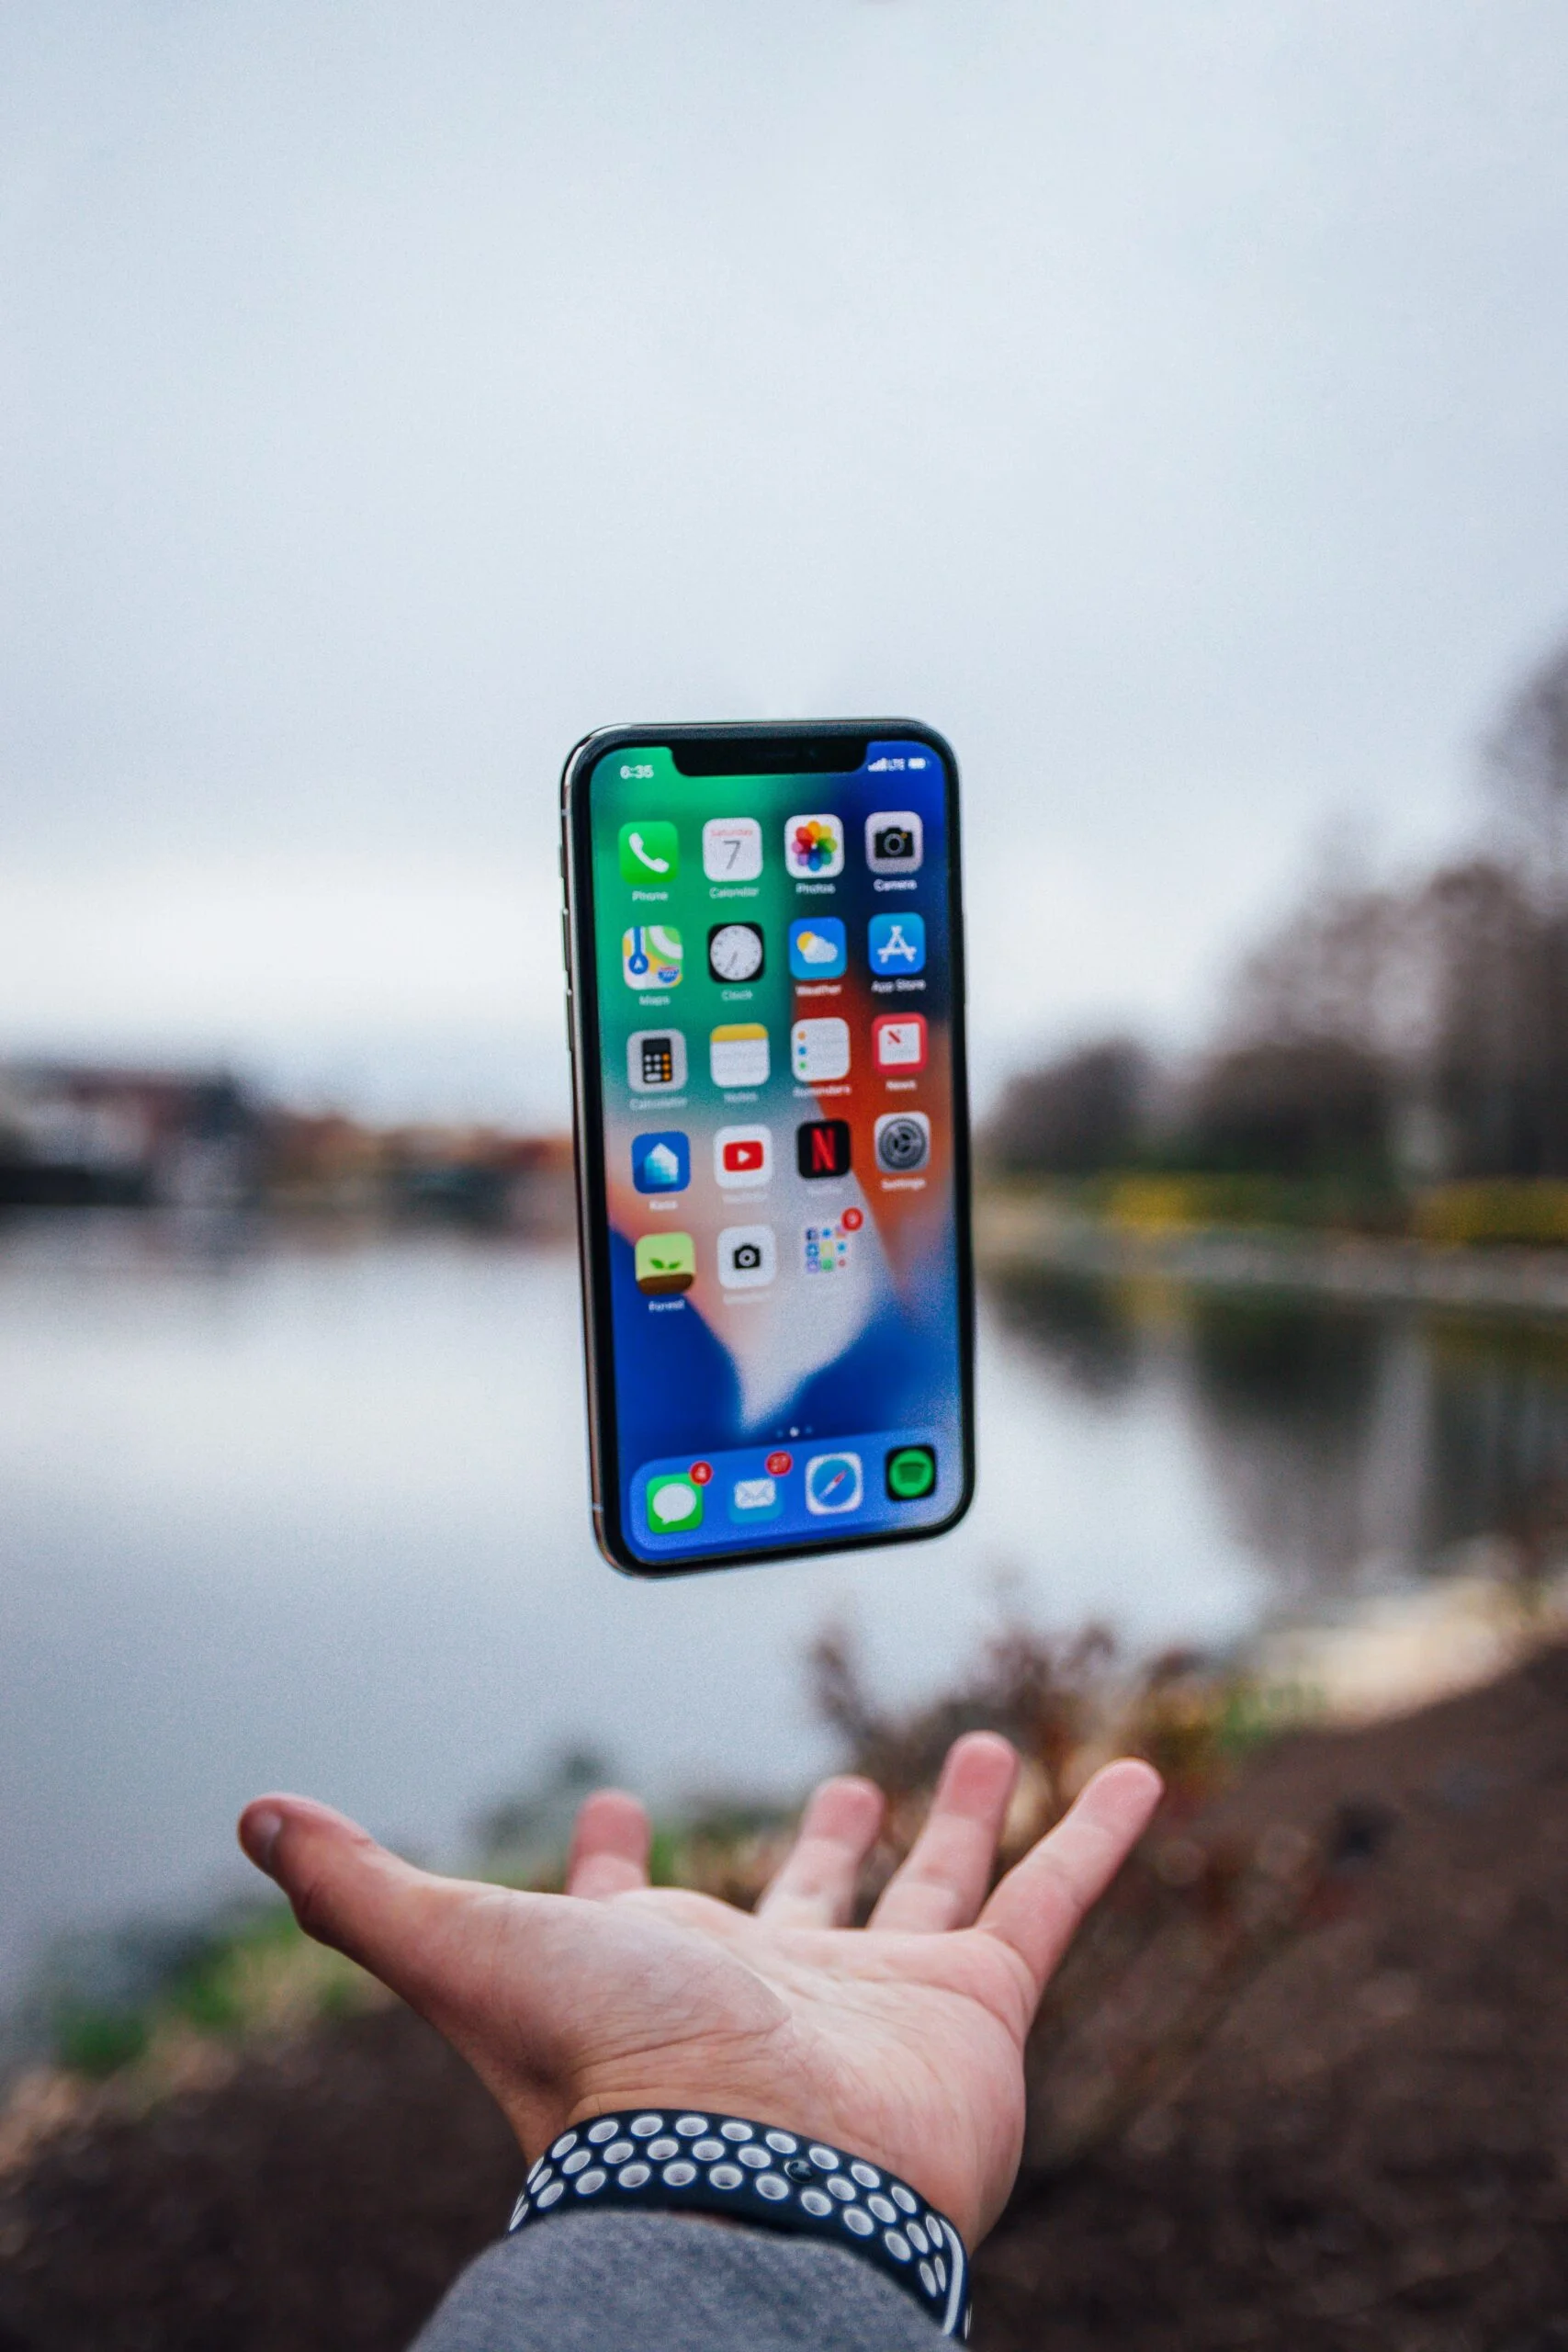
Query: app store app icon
{"x":895,"y":944}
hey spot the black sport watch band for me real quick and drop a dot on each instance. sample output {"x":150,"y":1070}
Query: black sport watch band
{"x":690,"y":2162}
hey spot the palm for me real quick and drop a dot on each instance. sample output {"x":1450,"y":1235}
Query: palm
{"x":902,"y":2040}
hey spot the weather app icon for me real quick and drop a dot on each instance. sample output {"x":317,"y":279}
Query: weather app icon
{"x":662,"y":1163}
{"x":818,"y":950}
{"x":897,"y":944}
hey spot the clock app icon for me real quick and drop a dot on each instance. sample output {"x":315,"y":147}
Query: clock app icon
{"x":735,"y":952}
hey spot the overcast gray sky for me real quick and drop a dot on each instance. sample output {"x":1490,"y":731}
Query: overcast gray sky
{"x":1169,"y":403}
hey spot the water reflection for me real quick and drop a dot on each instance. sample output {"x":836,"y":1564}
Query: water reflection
{"x":292,"y":1506}
{"x":1347,"y":1441}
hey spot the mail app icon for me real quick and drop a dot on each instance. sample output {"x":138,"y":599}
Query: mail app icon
{"x":754,"y":1499}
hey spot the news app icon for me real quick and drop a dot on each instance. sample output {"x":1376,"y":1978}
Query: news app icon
{"x":662,"y":1163}
{"x":814,"y":847}
{"x":898,"y":1041}
{"x":896,"y":946}
{"x":748,"y":1257}
{"x":903,"y":1142}
{"x":817,"y":948}
{"x":819,"y":1050}
{"x":895,"y":842}
{"x":822,"y":1147}
{"x":732,"y":849}
{"x":656,"y":1061}
{"x":742,"y":1157}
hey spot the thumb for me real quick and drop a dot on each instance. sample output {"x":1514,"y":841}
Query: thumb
{"x":403,"y":1924}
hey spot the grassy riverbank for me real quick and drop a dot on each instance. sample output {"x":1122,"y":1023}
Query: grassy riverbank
{"x":1298,"y":2081}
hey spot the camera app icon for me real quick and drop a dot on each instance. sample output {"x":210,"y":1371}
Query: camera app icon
{"x":748,"y":1257}
{"x":895,"y":842}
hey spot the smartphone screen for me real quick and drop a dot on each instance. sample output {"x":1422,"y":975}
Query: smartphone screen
{"x":773,"y":1139}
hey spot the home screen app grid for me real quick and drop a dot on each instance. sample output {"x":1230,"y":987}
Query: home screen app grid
{"x":760,"y":998}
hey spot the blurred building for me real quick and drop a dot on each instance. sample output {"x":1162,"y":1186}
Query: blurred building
{"x":75,"y":1136}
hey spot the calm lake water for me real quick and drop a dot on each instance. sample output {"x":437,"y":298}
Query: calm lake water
{"x":309,"y":1511}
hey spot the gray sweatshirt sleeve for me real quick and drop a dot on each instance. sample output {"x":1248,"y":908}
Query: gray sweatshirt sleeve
{"x":661,"y":2282}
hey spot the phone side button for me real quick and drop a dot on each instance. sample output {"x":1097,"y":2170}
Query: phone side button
{"x":571,"y":1049}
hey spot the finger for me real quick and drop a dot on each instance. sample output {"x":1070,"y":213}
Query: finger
{"x":413,"y":1930}
{"x":815,"y":1885}
{"x":609,"y":1845}
{"x":943,"y":1883}
{"x":1037,"y":1908}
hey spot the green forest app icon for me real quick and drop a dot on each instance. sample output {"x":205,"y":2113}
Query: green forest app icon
{"x":666,"y":1262}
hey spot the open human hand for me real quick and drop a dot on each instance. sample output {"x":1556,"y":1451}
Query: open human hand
{"x":903,"y":2040}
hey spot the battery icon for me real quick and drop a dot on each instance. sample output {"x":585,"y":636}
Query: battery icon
{"x":919,"y":763}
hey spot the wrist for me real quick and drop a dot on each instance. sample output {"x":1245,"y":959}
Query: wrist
{"x":705,"y":2162}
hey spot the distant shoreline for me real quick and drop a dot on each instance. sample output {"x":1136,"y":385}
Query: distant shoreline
{"x":1017,"y":1232}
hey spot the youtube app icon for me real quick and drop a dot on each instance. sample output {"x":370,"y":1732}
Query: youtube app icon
{"x":742,"y":1157}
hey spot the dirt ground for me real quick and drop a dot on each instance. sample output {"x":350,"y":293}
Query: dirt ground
{"x":1369,"y":2148}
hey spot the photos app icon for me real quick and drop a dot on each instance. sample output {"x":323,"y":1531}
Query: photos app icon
{"x":814,"y":847}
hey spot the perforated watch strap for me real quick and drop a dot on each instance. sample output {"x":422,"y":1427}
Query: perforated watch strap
{"x":728,"y":2164}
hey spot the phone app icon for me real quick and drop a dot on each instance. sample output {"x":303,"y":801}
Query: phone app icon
{"x":814,"y":847}
{"x":910,"y":1473}
{"x":665,"y":1262}
{"x":898,"y":1041}
{"x":650,"y":850}
{"x":656,"y":1061}
{"x":650,"y":955}
{"x":756,"y":1498}
{"x":737,"y":1054}
{"x":825,"y":1248}
{"x":834,"y":1482}
{"x":903,"y":1141}
{"x":735,"y":952}
{"x":748,"y":1257}
{"x":742,"y":1156}
{"x":673,"y":1506}
{"x":818,"y":950}
{"x":819,"y":1050}
{"x":822,"y":1147}
{"x":732,"y":849}
{"x":895,"y":842}
{"x":662,"y":1163}
{"x":896,"y":944}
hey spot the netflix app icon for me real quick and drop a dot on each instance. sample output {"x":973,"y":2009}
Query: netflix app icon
{"x":822,"y":1147}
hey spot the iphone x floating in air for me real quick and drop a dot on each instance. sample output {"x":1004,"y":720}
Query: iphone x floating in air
{"x":766,"y":1011}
